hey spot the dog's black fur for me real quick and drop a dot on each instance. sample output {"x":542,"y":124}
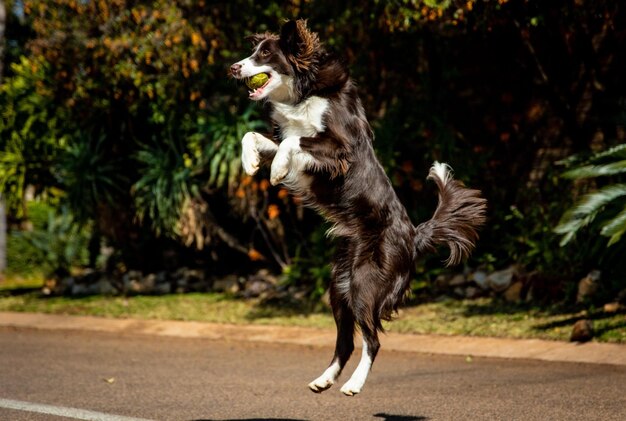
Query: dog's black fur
{"x":376,"y":242}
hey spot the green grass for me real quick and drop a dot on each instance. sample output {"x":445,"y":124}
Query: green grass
{"x":488,"y":317}
{"x":481,"y":317}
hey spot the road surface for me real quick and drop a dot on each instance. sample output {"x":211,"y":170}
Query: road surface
{"x":87,"y":375}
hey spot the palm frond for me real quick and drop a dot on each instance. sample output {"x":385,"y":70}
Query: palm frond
{"x":585,"y":211}
{"x":615,"y":228}
{"x":593,"y":202}
{"x":616,"y":152}
{"x":589,"y":171}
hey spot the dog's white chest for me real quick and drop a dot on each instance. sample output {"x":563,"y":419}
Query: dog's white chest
{"x":304,"y":119}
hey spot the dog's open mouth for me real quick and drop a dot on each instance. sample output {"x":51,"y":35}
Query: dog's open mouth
{"x":257,"y":84}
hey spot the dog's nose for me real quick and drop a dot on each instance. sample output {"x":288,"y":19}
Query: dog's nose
{"x":235,"y":69}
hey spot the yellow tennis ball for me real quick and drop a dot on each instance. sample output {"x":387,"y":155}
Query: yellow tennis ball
{"x":257,"y":81}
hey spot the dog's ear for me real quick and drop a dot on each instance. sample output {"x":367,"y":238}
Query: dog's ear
{"x":289,"y":39}
{"x":299,"y":44}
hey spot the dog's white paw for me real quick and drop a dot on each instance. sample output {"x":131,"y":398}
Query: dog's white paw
{"x":352,"y":387}
{"x":318,"y":387}
{"x":249,"y":154}
{"x":320,"y":384}
{"x":327,"y":379}
{"x":278,"y":173}
{"x":282,"y":161}
{"x":280,"y":167}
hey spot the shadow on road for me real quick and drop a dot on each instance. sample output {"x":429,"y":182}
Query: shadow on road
{"x":384,"y":416}
{"x":391,"y":417}
{"x":254,"y":419}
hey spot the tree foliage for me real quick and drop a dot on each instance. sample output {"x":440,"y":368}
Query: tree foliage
{"x":607,"y":202}
{"x":122,"y":109}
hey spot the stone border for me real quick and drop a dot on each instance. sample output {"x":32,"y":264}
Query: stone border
{"x":535,"y":349}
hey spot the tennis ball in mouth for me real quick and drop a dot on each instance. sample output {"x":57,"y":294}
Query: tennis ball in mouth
{"x":257,"y":81}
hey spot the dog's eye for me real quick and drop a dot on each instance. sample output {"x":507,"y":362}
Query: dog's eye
{"x":264,"y":53}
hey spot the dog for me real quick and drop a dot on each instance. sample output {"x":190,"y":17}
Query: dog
{"x":321,"y":150}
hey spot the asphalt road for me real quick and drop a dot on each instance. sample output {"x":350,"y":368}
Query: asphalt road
{"x":161,"y":378}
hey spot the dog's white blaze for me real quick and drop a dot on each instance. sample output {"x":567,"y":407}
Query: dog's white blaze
{"x":327,"y":379}
{"x":249,"y":68}
{"x":356,"y":382}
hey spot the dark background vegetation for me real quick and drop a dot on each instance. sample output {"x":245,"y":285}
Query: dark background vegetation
{"x":118,"y":117}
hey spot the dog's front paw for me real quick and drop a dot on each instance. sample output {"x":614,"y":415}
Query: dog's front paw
{"x":282,"y":159}
{"x":249,"y":154}
{"x":279,"y":172}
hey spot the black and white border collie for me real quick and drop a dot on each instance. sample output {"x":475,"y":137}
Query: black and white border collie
{"x":322,"y":151}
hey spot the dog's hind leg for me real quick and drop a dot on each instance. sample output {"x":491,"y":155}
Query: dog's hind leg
{"x":344,"y":319}
{"x":371,"y":345}
{"x":343,"y":348}
{"x":363,"y":301}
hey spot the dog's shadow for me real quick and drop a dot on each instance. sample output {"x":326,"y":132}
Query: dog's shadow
{"x":253,"y":419}
{"x":392,"y":417}
{"x":384,"y":416}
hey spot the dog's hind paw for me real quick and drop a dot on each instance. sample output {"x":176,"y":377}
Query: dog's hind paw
{"x":327,"y":379}
{"x":351,"y":388}
{"x":319,"y":385}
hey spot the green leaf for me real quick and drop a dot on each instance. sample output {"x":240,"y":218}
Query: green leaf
{"x":589,"y":171}
{"x":615,"y":228}
{"x":592,"y":202}
{"x":585,"y":211}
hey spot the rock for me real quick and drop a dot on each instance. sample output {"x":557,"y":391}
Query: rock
{"x":612,"y":307}
{"x":78,"y":289}
{"x":148,"y":282}
{"x":472,"y":292}
{"x":441,"y":281}
{"x":226,"y":284}
{"x":103,"y":286}
{"x":255,"y":288}
{"x":162,"y":289}
{"x":588,"y":286}
{"x":265,"y":276}
{"x":480,"y":278}
{"x":62,"y":287}
{"x":161,"y":278}
{"x":502,"y":279}
{"x":162,"y":284}
{"x":131,"y":280}
{"x":513,"y":293}
{"x":582,"y":331}
{"x":186,"y":279}
{"x":457,"y":280}
{"x":89,"y":285}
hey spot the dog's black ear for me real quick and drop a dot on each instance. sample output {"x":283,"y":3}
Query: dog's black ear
{"x":289,"y":39}
{"x":300,"y":45}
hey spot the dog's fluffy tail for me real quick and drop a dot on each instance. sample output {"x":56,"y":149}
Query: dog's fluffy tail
{"x":459,"y":214}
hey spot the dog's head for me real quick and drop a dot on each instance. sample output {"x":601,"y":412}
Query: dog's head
{"x":289,"y":59}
